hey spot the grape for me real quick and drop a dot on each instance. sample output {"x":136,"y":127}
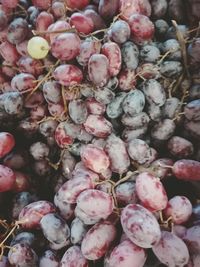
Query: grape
{"x":192,"y":110}
{"x":128,"y":134}
{"x":151,"y":192}
{"x":114,"y":108}
{"x":119,"y":162}
{"x":20,"y":201}
{"x":66,"y":46}
{"x":142,"y":29}
{"x":98,"y":240}
{"x":129,"y":7}
{"x":98,"y":126}
{"x":78,"y":231}
{"x":77,"y":5}
{"x":171,"y":107}
{"x":126,"y":193}
{"x":127,"y":80}
{"x":7,"y":179}
{"x":68,"y":75}
{"x":120,"y":31}
{"x":43,"y":21}
{"x":82,"y":23}
{"x":134,"y":102}
{"x":159,"y":8}
{"x":55,"y":229}
{"x":95,"y":158}
{"x":193,"y":128}
{"x":176,"y":10}
{"x":52,"y":92}
{"x":15,"y":160}
{"x":59,"y":25}
{"x":140,"y":226}
{"x":172,"y":46}
{"x":9,"y":52}
{"x":65,"y":209}
{"x":4,"y":262}
{"x":3,"y":20}
{"x":180,"y":147}
{"x":68,"y":163}
{"x":10,"y":3}
{"x":70,"y":190}
{"x":7,"y":142}
{"x":171,"y":69}
{"x":22,"y":182}
{"x":179,"y":208}
{"x":95,"y":203}
{"x":46,"y":4}
{"x":138,"y":150}
{"x":112,"y":51}
{"x":130,"y":55}
{"x":127,"y":254}
{"x":135,"y":122}
{"x":77,"y":111}
{"x":31,"y":214}
{"x":84,"y":136}
{"x":38,"y":47}
{"x":49,"y":258}
{"x":98,"y":69}
{"x":149,"y":53}
{"x":88,"y":47}
{"x":42,"y":167}
{"x":87,"y":220}
{"x":95,"y":107}
{"x":25,"y":238}
{"x":58,"y":10}
{"x":104,"y":95}
{"x":39,"y":150}
{"x":47,"y":128}
{"x":23,"y":82}
{"x":195,"y":260}
{"x":29,"y":65}
{"x":192,"y":239}
{"x":154,"y":92}
{"x":73,"y":257}
{"x":163,"y":130}
{"x":107,"y":9}
{"x":186,"y":169}
{"x":22,"y":255}
{"x":17,"y":31}
{"x":161,"y":27}
{"x":34,"y":100}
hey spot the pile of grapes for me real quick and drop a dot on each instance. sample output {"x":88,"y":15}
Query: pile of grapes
{"x":99,"y":133}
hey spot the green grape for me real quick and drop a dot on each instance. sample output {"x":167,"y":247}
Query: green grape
{"x":38,"y":47}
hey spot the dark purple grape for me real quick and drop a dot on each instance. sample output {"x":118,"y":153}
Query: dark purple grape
{"x":17,"y":31}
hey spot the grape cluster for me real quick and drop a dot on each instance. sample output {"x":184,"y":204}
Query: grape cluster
{"x":99,"y":133}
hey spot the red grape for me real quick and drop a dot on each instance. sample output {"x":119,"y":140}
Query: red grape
{"x":10,"y":3}
{"x":108,"y":8}
{"x":9,"y":52}
{"x":68,"y":75}
{"x":180,"y":147}
{"x":23,"y":82}
{"x":74,"y":4}
{"x":98,"y":69}
{"x":94,"y":158}
{"x":127,"y":254}
{"x":129,"y":7}
{"x":31,"y":214}
{"x":112,"y":51}
{"x":45,"y":4}
{"x":127,"y":80}
{"x":98,"y":240}
{"x":179,"y":208}
{"x":171,"y":250}
{"x":192,"y":239}
{"x":30,"y":65}
{"x":7,"y":179}
{"x":98,"y":126}
{"x":82,"y":23}
{"x":66,"y":46}
{"x":151,"y":192}
{"x":140,"y":226}
{"x":7,"y":142}
{"x":73,"y":257}
{"x":95,"y":203}
{"x":142,"y":29}
{"x":53,"y":29}
{"x":78,"y":231}
{"x":95,"y":107}
{"x":22,"y":182}
{"x":98,"y":22}
{"x":43,"y":21}
{"x":186,"y":169}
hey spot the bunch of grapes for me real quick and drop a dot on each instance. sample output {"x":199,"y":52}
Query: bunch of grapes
{"x":99,"y":133}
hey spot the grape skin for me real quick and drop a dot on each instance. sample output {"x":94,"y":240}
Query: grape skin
{"x":73,"y":257}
